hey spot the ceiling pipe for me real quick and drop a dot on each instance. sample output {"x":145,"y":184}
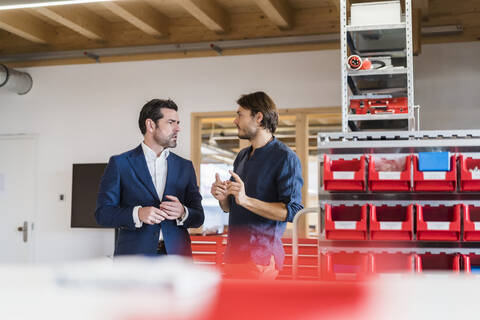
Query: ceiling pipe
{"x":16,"y":81}
{"x":442,"y":30}
{"x":217,"y":46}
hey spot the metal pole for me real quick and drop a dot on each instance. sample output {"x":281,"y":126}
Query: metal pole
{"x":295,"y":238}
{"x":417,"y":118}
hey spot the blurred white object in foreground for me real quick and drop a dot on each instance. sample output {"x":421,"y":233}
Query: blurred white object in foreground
{"x":126,"y":288}
{"x":429,"y":296}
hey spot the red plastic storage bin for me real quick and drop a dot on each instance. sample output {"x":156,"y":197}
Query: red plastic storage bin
{"x":389,"y":174}
{"x":388,"y":263}
{"x":391,"y":222}
{"x":440,"y":223}
{"x":469,"y":180}
{"x":471,"y":263}
{"x":471,"y":223}
{"x":437,"y":262}
{"x":346,"y":222}
{"x":344,"y":266}
{"x":435,"y":180}
{"x":344,"y":175}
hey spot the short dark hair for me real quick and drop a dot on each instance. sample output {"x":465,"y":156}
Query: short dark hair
{"x":152,"y":110}
{"x":260,"y":102}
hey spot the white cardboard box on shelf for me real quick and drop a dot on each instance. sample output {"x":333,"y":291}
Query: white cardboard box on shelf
{"x":375,"y":13}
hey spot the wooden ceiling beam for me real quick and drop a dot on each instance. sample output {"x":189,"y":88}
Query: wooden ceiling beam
{"x":278,"y":11}
{"x":26,"y":26}
{"x":141,"y":15}
{"x":417,"y":31}
{"x":79,"y":20}
{"x":185,"y":29}
{"x":208,"y":13}
{"x":336,"y":4}
{"x":423,"y":5}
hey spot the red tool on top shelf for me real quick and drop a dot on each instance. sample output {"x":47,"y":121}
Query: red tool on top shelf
{"x":357,"y":63}
{"x":378,"y":105}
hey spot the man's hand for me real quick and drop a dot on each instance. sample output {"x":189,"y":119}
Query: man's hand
{"x":173,"y":208}
{"x":151,"y":215}
{"x":219,"y":188}
{"x":237,"y":189}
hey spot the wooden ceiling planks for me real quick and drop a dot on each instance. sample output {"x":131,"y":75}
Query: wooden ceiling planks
{"x":153,"y":22}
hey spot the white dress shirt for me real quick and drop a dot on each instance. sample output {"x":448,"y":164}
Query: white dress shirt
{"x":157,"y":166}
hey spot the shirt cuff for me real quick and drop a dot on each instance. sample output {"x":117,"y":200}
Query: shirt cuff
{"x":136,"y":219}
{"x":181,"y":220}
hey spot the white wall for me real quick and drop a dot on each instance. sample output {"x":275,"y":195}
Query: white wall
{"x":86,"y":113}
{"x":447,"y":86}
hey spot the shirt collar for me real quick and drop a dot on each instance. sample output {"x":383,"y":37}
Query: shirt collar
{"x":266,"y":146}
{"x":151,"y":155}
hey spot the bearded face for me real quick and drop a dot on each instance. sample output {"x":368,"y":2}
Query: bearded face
{"x":167,"y":128}
{"x":246,"y":124}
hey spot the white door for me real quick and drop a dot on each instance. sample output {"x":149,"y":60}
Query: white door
{"x":17,"y":198}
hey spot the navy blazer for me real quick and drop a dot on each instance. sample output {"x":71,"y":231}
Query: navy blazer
{"x":127,"y":183}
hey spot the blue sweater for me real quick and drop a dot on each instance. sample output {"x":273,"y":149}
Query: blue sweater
{"x":272,"y":174}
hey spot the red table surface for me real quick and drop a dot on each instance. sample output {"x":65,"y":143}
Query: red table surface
{"x":279,"y":300}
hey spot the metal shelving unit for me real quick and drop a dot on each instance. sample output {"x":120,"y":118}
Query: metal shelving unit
{"x":348,"y":146}
{"x":387,"y":40}
{"x":392,"y":43}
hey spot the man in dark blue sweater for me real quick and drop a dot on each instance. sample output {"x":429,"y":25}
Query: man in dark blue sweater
{"x":263,"y":193}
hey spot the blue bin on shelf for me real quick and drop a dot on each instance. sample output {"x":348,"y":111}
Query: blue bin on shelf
{"x":434,"y":161}
{"x":475,"y":269}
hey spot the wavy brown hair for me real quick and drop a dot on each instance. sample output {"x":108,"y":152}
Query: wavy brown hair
{"x":260,"y":102}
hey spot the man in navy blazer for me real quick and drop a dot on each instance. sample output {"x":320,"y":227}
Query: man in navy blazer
{"x":149,"y":193}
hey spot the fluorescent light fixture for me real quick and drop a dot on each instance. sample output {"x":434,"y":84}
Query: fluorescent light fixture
{"x":442,"y":30}
{"x":46,"y":4}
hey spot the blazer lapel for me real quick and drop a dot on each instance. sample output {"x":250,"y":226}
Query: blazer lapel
{"x":139,"y":165}
{"x":171,"y":176}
